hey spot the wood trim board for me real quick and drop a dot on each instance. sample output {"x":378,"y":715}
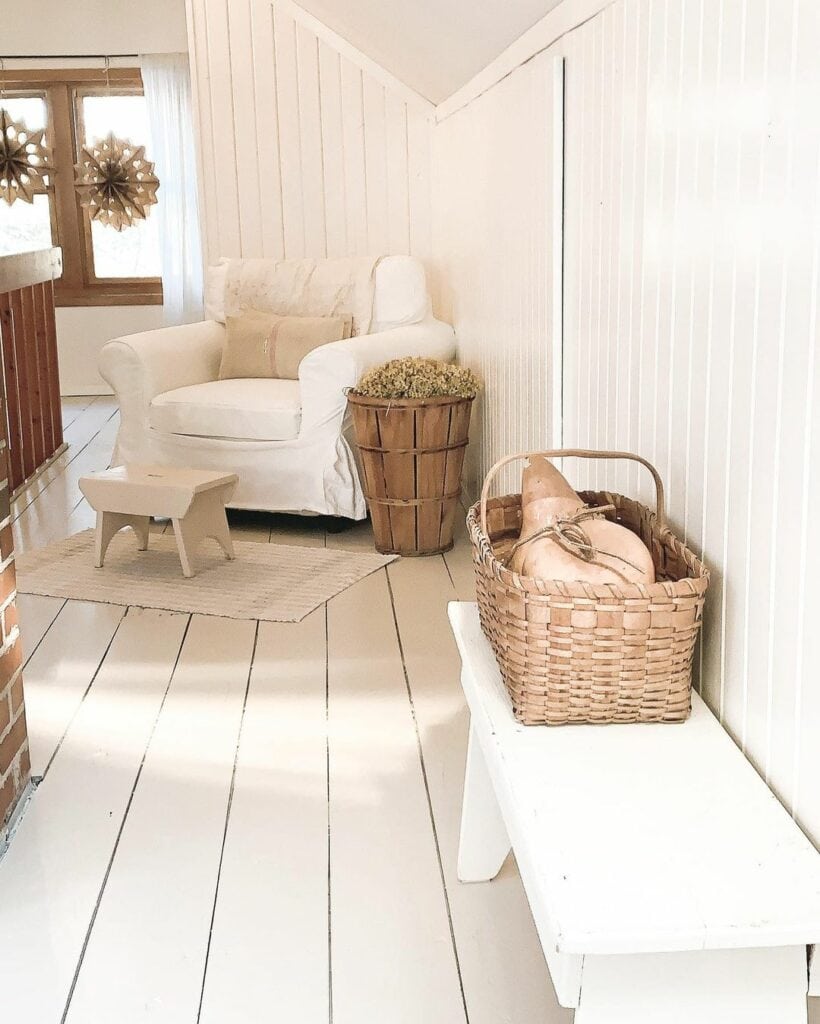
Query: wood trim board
{"x":568,"y":15}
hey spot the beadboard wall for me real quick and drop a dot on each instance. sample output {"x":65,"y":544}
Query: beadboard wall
{"x":497,"y":246}
{"x":692,"y":244}
{"x":306,"y":147}
{"x":691,"y":257}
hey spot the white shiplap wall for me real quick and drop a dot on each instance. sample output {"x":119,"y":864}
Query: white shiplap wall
{"x":307,"y":148}
{"x":496,"y":165}
{"x":691,"y":257}
{"x":691,"y":266}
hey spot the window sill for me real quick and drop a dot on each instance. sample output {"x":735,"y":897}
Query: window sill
{"x":150,"y":296}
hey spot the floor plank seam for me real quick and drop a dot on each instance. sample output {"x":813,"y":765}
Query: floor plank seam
{"x":433,"y":826}
{"x":79,"y":411}
{"x":447,"y":568}
{"x":121,"y":829}
{"x":82,"y":699}
{"x":27,"y":658}
{"x":227,"y":823}
{"x":327,"y":792}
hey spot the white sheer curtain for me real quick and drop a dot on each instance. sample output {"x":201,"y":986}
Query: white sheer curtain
{"x":170,"y":111}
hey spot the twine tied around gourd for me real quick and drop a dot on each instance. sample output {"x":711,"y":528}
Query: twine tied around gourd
{"x":568,"y":534}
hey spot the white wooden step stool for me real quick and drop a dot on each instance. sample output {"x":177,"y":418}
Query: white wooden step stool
{"x":667,"y":883}
{"x":193,"y":499}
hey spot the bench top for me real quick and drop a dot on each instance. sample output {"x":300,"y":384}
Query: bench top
{"x":640,"y":838}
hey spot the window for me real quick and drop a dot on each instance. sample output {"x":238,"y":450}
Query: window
{"x":25,"y":226}
{"x":101,"y":266}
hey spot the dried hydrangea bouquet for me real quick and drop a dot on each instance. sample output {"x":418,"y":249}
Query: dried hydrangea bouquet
{"x":412,"y":418}
{"x":413,"y":377}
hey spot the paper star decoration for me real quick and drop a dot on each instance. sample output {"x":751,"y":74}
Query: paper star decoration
{"x":115,"y":181}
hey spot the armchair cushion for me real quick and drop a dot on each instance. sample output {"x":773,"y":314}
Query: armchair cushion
{"x":260,"y":344}
{"x":251,"y":409}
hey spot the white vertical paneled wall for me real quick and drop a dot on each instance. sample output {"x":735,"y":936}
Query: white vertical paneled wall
{"x":307,"y":148}
{"x":496,"y":267}
{"x":691,"y":265}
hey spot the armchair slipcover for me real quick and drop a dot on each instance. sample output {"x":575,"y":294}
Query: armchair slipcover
{"x":288,"y":441}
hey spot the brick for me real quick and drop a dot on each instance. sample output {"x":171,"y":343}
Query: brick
{"x":11,"y":743}
{"x":8,"y":797}
{"x":10,"y":660}
{"x":8,"y":583}
{"x":6,"y":542}
{"x":5,"y":710}
{"x":16,"y":695}
{"x":12,"y":787}
{"x":10,"y":619}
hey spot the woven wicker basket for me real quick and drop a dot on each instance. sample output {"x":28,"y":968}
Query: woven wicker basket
{"x":576,"y":652}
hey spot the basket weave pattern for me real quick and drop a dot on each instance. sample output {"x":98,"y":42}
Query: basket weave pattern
{"x":572,"y":652}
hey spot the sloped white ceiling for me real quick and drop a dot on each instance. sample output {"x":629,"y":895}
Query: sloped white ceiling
{"x":434,"y":46}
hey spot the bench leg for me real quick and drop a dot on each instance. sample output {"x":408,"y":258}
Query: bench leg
{"x":726,"y":986}
{"x":109,"y":524}
{"x":483,"y":843}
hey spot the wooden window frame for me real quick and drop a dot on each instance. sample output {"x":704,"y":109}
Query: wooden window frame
{"x":63,"y":91}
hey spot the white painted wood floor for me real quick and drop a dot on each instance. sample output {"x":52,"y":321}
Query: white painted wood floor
{"x":244,"y":822}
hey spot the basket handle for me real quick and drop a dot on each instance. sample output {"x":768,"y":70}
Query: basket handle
{"x":581,"y":453}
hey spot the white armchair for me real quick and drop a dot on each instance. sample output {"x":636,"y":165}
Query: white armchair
{"x":286,"y":440}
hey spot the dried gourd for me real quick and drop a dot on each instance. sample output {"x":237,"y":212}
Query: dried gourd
{"x":562,"y":539}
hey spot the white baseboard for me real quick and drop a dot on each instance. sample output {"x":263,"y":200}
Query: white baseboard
{"x":87,"y":391}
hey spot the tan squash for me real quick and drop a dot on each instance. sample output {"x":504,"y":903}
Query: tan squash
{"x":581,"y":544}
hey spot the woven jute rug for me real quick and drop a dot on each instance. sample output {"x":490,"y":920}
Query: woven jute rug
{"x":274,"y":582}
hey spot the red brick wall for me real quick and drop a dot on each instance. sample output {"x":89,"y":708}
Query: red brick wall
{"x":15,"y":767}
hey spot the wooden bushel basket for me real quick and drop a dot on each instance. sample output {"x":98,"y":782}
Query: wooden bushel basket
{"x":573,"y":652}
{"x":412,"y":454}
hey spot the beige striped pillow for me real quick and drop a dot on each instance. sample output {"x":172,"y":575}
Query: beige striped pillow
{"x":259,"y":344}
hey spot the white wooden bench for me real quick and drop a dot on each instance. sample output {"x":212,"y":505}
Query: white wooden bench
{"x":668,"y":885}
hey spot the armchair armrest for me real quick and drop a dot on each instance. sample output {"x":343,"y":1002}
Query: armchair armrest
{"x":327,"y":372}
{"x":141,"y":366}
{"x":161,"y":360}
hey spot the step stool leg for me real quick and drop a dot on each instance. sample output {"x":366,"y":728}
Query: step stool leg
{"x":216,"y":519}
{"x":483,"y":842}
{"x":186,"y":544}
{"x":141,"y":526}
{"x":205,"y":518}
{"x":109,"y":524}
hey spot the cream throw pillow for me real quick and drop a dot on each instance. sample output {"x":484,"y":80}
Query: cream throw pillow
{"x":261,"y":344}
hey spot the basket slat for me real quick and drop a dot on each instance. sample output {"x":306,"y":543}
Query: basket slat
{"x":433,"y":426}
{"x":454,"y":464}
{"x":369,"y":432}
{"x":397,"y":428}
